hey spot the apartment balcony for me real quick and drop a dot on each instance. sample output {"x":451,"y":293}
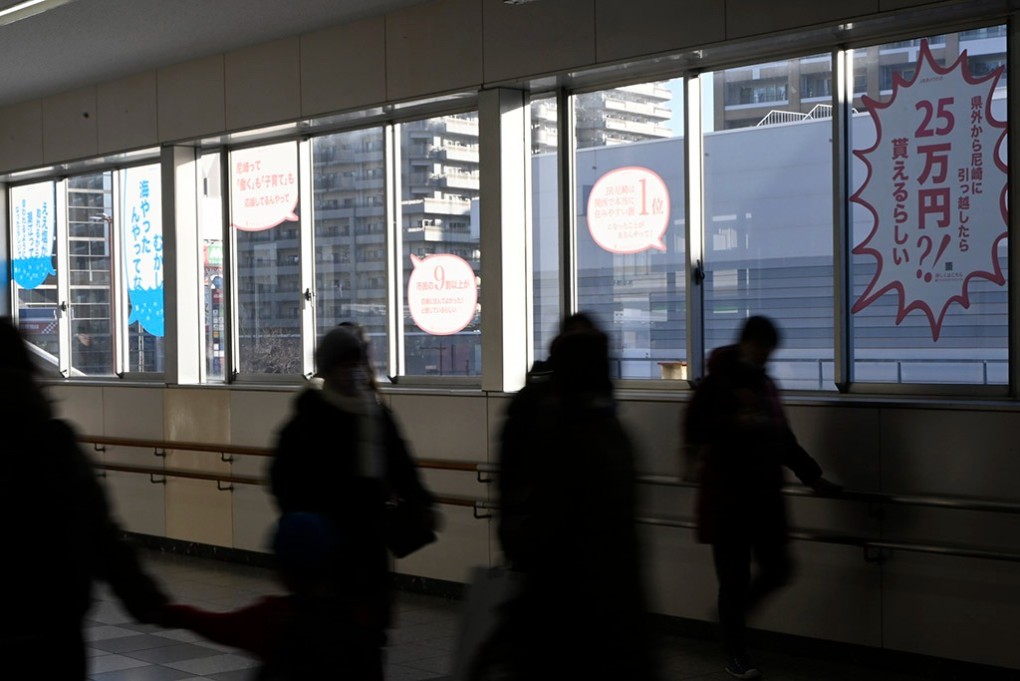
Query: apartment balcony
{"x":436,"y":206}
{"x":455,"y":153}
{"x":370,"y":156}
{"x":459,"y":126}
{"x":656,"y":90}
{"x":647,"y":109}
{"x":637,"y":128}
{"x":461,"y":181}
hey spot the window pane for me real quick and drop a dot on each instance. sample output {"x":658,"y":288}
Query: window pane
{"x":442,"y":256}
{"x":349,"y":185}
{"x":33,"y":246}
{"x":768,"y":213}
{"x":90,"y":222}
{"x":211,"y":229}
{"x":267,"y":232}
{"x":929,"y":264}
{"x":630,"y":224}
{"x":545,"y":198}
{"x":142,"y":232}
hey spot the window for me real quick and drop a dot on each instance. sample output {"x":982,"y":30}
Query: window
{"x":439,"y":186}
{"x":629,"y":227}
{"x":363,"y":205}
{"x":930,"y":276}
{"x":213,"y":284}
{"x":264,"y":184}
{"x":545,"y":219}
{"x":768,"y":229}
{"x":100,"y":261}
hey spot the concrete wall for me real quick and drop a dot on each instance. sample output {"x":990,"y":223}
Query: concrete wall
{"x":429,"y":48}
{"x":939,"y":605}
{"x":960,"y":608}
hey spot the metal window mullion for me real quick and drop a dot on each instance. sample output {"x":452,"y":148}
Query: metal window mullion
{"x":695,"y":227}
{"x":1013,"y":244}
{"x":118,"y":293}
{"x":231,"y":366}
{"x":842,"y":272}
{"x":306,"y":249}
{"x":63,"y":278}
{"x":394,"y":250}
{"x":566,"y":174}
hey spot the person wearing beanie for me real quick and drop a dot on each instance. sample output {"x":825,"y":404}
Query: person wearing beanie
{"x":341,"y":454}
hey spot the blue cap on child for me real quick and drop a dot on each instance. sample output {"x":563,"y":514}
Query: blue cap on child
{"x":305,"y":542}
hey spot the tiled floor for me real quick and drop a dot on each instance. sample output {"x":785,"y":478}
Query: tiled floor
{"x":422,"y":641}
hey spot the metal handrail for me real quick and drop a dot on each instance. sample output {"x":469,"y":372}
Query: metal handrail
{"x":152,"y":472}
{"x":484,"y":508}
{"x":957,"y":503}
{"x":866,"y":544}
{"x":100,"y":442}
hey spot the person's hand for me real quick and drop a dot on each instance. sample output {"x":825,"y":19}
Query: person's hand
{"x":825,"y":487}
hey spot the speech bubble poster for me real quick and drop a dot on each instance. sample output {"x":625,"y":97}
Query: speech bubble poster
{"x":142,"y":225}
{"x":32,"y":234}
{"x":264,"y":186}
{"x":628,"y":210}
{"x":935,"y":188}
{"x":442,"y":293}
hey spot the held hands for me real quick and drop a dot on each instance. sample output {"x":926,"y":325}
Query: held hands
{"x":825,"y":487}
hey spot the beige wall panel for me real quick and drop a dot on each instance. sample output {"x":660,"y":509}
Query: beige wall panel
{"x":752,"y":17}
{"x":21,"y":136}
{"x":461,"y":545}
{"x":133,"y":412}
{"x":343,"y":67}
{"x":137,"y":504}
{"x":199,"y":512}
{"x":257,"y":416}
{"x":949,"y":452}
{"x":655,"y":429}
{"x":443,"y":427}
{"x":433,"y":47}
{"x":534,"y":38}
{"x":254,"y":518}
{"x":127,"y":113}
{"x":630,"y":28}
{"x":81,"y":405}
{"x":954,"y":608}
{"x":190,"y":99}
{"x":497,"y":407}
{"x":197,"y":415}
{"x":678,"y":573}
{"x":454,"y":483}
{"x":834,"y":595}
{"x":69,"y":125}
{"x":845,"y":442}
{"x":263,"y":84}
{"x":196,"y":509}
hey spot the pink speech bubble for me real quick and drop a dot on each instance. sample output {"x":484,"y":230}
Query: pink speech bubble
{"x":442,"y":293}
{"x":628,"y":210}
{"x":264,"y":186}
{"x":935,"y":188}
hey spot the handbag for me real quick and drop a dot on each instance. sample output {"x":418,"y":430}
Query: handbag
{"x":480,"y":652}
{"x":407,"y":526}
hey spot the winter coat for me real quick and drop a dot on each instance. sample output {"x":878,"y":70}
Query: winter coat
{"x":737,"y":424}
{"x":61,"y":539}
{"x":316,"y":468}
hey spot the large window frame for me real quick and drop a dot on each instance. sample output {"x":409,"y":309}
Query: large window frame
{"x":499,"y":141}
{"x":74,"y":337}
